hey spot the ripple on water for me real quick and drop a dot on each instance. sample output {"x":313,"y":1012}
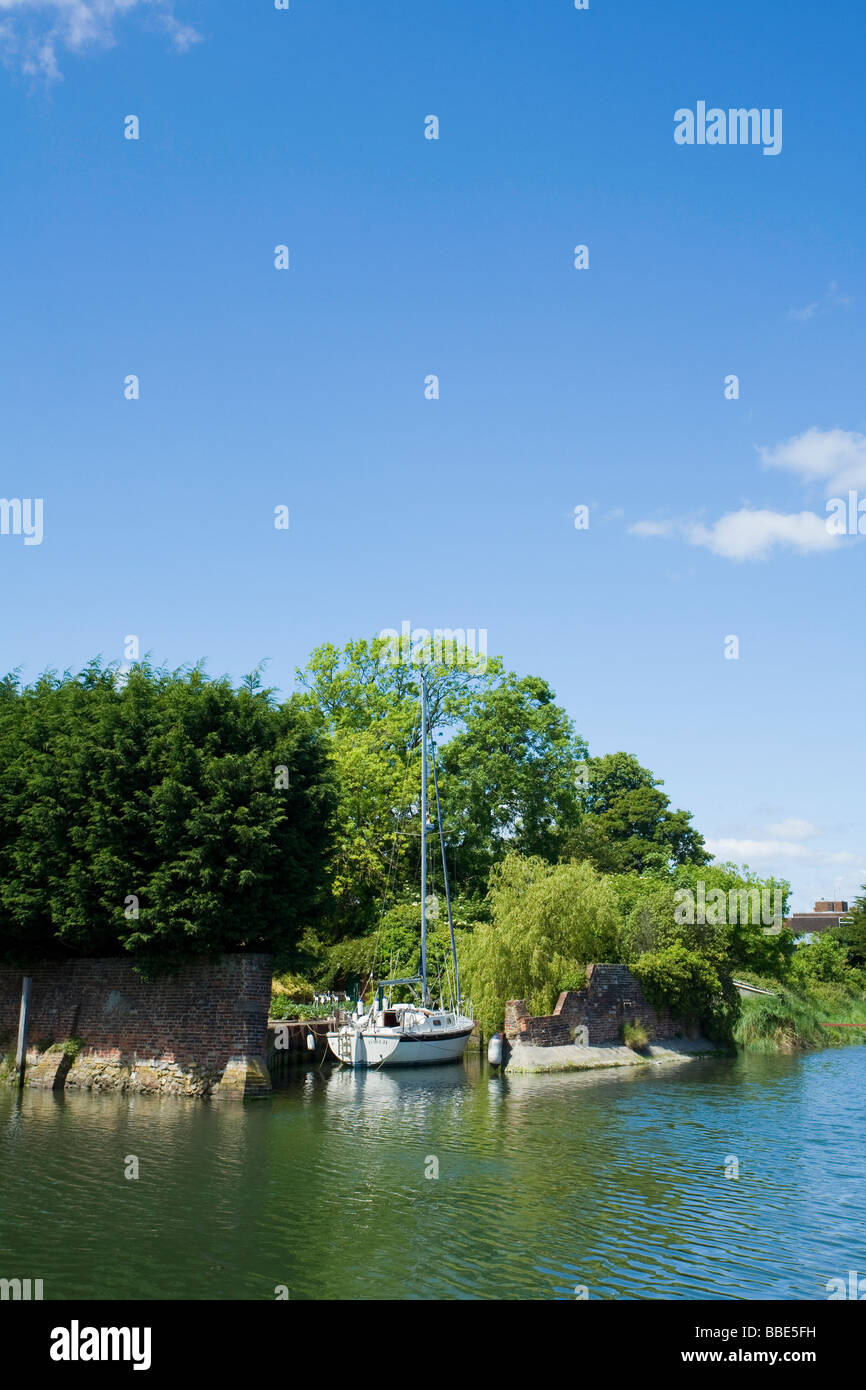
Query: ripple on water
{"x":545,"y":1184}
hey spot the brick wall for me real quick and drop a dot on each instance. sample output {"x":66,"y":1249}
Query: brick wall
{"x":610,"y":998}
{"x":177,"y":1032}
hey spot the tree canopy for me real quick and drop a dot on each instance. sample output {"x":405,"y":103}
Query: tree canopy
{"x":158,"y":813}
{"x":166,"y":814}
{"x":852,"y":935}
{"x":507,"y":756}
{"x":627,"y":824}
{"x":549,"y":921}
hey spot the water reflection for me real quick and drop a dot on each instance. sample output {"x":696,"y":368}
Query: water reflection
{"x":614,"y":1181}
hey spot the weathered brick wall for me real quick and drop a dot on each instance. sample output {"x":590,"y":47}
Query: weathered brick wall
{"x":610,"y":998}
{"x":177,"y":1031}
{"x":544,"y":1030}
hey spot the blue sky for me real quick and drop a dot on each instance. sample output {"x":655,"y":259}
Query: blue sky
{"x":558,"y":387}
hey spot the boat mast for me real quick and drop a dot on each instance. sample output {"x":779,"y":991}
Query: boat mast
{"x":423,"y":841}
{"x":445,"y":878}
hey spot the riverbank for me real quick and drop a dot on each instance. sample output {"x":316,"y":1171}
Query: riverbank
{"x":529,"y":1059}
{"x":787,"y":1020}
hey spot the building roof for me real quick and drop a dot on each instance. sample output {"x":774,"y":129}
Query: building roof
{"x":819,"y":920}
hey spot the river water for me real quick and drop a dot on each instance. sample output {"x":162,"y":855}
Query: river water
{"x":611,"y":1182}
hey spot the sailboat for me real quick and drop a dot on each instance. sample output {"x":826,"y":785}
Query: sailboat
{"x":416,"y":1034}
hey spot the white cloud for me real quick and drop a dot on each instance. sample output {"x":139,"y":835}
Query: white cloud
{"x":770,"y":852}
{"x":33,"y":32}
{"x":749,"y":534}
{"x":787,"y":849}
{"x":793,"y":828}
{"x":834,"y":457}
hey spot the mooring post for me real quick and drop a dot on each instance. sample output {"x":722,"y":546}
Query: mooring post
{"x":23,"y":1020}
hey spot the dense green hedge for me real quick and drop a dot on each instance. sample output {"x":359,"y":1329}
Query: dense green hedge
{"x":148,"y":814}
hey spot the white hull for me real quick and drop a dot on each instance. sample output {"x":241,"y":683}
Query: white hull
{"x":369,"y":1044}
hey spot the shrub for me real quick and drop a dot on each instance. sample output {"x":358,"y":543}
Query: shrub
{"x":690,"y":986}
{"x":635,"y":1036}
{"x":70,"y":1047}
{"x":282,"y":1009}
{"x":824,"y":960}
{"x":159,"y":787}
{"x":293,"y":988}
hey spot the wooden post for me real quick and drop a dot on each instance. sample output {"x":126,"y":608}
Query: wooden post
{"x":23,"y":1020}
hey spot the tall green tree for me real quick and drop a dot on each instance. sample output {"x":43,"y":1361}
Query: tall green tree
{"x":162,"y":813}
{"x":852,"y":935}
{"x":627,"y":825}
{"x":507,"y":757}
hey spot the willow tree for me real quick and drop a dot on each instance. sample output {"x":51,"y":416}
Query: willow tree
{"x":549,"y":922}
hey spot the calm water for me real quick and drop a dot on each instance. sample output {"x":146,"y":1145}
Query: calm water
{"x":611,"y":1181}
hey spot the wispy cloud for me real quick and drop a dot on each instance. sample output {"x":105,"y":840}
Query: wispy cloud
{"x":749,"y":534}
{"x":33,"y":33}
{"x":793,"y":828}
{"x":792,"y":848}
{"x":770,"y":852}
{"x":831,"y":299}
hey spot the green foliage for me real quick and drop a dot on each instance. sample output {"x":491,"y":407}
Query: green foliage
{"x":508,"y":778}
{"x":823,"y":960}
{"x":853,"y":936}
{"x":283,"y":1009}
{"x":506,"y":781}
{"x":653,"y":907}
{"x":392,"y":951}
{"x":70,"y":1047}
{"x":294,"y":988}
{"x":159,"y":788}
{"x":781,"y":1023}
{"x":690,"y":985}
{"x":822,"y":993}
{"x":627,"y":825}
{"x":549,"y":923}
{"x":635,"y":1036}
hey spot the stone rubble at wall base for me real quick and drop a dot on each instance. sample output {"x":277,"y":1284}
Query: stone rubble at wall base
{"x":200,"y":1030}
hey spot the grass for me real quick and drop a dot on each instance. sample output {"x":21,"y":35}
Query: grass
{"x":794,"y":1019}
{"x":635,"y":1036}
{"x":70,"y":1047}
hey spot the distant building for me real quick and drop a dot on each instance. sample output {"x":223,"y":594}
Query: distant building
{"x":826,"y":915}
